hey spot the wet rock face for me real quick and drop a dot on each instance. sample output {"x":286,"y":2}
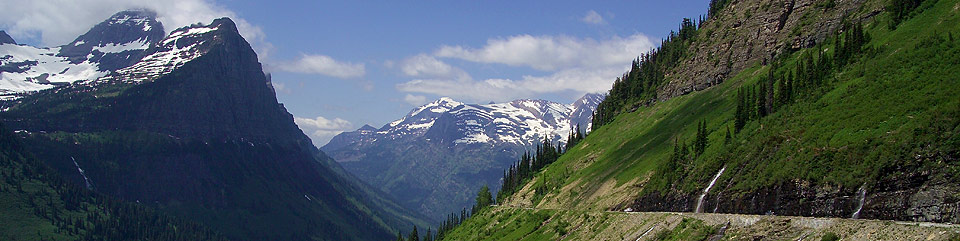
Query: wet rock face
{"x":751,"y":31}
{"x":917,"y":196}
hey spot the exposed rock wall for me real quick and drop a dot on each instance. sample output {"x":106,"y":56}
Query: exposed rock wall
{"x":747,"y":32}
{"x":922,"y":196}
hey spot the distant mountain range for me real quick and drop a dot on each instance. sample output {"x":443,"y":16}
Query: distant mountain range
{"x":186,"y":123}
{"x":438,"y":155}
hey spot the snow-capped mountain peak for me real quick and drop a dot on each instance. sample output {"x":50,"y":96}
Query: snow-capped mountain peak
{"x":178,"y":48}
{"x":441,"y":105}
{"x":131,"y":30}
{"x":520,"y":122}
{"x":118,"y":42}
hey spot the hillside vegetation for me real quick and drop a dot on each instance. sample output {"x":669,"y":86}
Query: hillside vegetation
{"x":37,"y":204}
{"x":873,"y":107}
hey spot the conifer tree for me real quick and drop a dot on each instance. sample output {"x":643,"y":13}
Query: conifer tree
{"x":483,"y":200}
{"x":700,"y":143}
{"x":414,"y":236}
{"x":740,"y":116}
{"x":768,"y":91}
{"x":726,"y":140}
{"x":762,"y":99}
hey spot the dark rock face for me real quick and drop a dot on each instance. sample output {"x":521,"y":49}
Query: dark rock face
{"x":752,"y":31}
{"x":916,"y":196}
{"x":210,"y":142}
{"x":137,"y":27}
{"x":6,"y":39}
{"x":222,"y":94}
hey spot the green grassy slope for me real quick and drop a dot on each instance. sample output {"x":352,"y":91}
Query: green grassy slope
{"x":894,"y":110}
{"x":873,"y":117}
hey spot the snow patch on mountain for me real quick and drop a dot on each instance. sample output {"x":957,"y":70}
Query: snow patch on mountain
{"x":180,"y":47}
{"x":26,"y":69}
{"x":520,"y":122}
{"x":118,"y":41}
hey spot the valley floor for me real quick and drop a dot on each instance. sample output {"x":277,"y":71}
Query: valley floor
{"x":514,"y":223}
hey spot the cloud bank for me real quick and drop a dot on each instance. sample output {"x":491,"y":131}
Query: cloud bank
{"x":321,"y":129}
{"x":57,"y":22}
{"x":325,"y":65}
{"x":580,"y":65}
{"x":550,"y":53}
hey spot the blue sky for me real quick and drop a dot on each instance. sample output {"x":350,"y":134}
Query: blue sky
{"x":338,"y":65}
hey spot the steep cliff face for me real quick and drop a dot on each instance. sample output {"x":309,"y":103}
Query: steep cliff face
{"x":924,"y":196}
{"x":195,"y":130}
{"x":745,"y":33}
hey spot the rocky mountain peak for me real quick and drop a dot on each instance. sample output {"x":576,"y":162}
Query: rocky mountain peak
{"x":184,"y":45}
{"x":6,"y":39}
{"x":583,"y":108}
{"x":118,"y":42}
{"x":443,"y":102}
{"x":124,"y":36}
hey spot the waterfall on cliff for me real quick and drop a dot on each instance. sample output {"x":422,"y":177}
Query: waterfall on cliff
{"x":706,"y":190}
{"x":861,"y":195}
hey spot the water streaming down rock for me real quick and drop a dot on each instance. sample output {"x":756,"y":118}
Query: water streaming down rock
{"x":706,"y":190}
{"x":645,"y":233}
{"x":717,"y":205}
{"x":862,"y":194}
{"x":84,"y":175}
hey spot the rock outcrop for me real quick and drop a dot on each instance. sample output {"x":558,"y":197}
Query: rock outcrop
{"x":6,"y":39}
{"x":745,"y":33}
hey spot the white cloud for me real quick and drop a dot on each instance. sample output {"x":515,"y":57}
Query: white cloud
{"x":551,"y":53}
{"x":592,"y":17}
{"x":574,"y":65}
{"x":325,"y":65}
{"x":592,"y":80}
{"x":57,"y":22}
{"x":415,"y":100}
{"x":321,"y":129}
{"x":427,"y":66}
{"x":280,"y":87}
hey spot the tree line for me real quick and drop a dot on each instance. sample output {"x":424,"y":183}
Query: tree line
{"x":901,"y":10}
{"x":773,"y":92}
{"x":647,"y":72}
{"x":808,"y":75}
{"x":513,"y":179}
{"x":529,"y":164}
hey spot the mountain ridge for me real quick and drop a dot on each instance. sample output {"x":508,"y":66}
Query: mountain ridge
{"x":448,"y":148}
{"x":116,"y":43}
{"x":195,"y":130}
